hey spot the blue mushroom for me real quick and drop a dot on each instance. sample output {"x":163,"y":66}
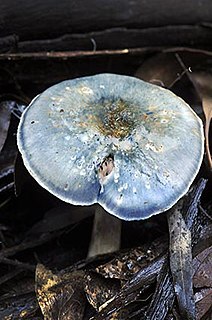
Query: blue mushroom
{"x":130,"y":146}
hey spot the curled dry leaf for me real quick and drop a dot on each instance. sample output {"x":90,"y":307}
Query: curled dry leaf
{"x":203,"y":83}
{"x":61,"y":295}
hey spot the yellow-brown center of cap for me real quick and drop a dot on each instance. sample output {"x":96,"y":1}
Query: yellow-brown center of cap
{"x":115,"y":120}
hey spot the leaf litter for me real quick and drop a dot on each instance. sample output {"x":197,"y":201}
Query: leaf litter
{"x":140,"y":281}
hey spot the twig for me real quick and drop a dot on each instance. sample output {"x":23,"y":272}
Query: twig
{"x":205,"y":212}
{"x":7,"y":187}
{"x":18,"y":264}
{"x":78,"y":54}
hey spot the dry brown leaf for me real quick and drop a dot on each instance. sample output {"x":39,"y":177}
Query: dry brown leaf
{"x":203,"y":83}
{"x":60,"y":296}
{"x":202,"y":265}
{"x":162,"y":69}
{"x":203,"y":300}
{"x":99,"y":289}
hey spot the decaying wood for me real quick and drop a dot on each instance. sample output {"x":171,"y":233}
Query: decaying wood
{"x":71,"y":25}
{"x":132,"y":289}
{"x":181,"y":232}
{"x":164,"y":295}
{"x":117,"y":38}
{"x":54,"y":18}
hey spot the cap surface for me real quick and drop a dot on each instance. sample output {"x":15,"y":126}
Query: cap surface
{"x":131,"y":146}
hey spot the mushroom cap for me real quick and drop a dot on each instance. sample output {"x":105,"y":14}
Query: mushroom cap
{"x":130,"y":146}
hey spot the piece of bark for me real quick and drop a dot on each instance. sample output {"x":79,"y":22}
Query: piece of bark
{"x":52,"y":18}
{"x":163,"y":298}
{"x":196,"y":36}
{"x":71,"y":25}
{"x":126,"y":264}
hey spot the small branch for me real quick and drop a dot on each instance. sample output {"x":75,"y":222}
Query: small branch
{"x":60,"y":54}
{"x":64,"y":55}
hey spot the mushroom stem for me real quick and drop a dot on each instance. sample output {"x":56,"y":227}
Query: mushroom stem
{"x":106,"y":233}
